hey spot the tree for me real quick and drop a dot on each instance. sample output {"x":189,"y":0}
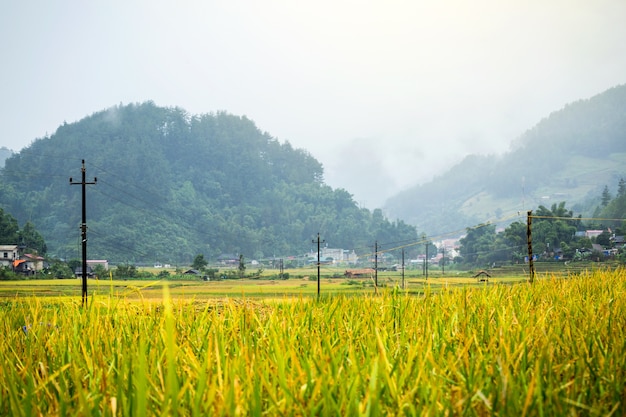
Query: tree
{"x":242,"y":267}
{"x":516,"y":236}
{"x":622,"y":257}
{"x":478,"y":244}
{"x":199,"y":262}
{"x":604,"y":239}
{"x":616,"y":209}
{"x":9,"y":230}
{"x":125,"y":271}
{"x":621,"y":188}
{"x":74,"y":264}
{"x":100,"y":271}
{"x":32,"y":239}
{"x":10,"y":234}
{"x":553,"y":227}
{"x":567,"y":250}
{"x":580,"y":247}
{"x":606,"y":196}
{"x":60,"y":269}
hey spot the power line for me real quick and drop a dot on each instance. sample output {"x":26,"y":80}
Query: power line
{"x":578,"y":218}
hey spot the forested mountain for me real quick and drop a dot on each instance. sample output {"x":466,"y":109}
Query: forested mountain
{"x":171,"y":185}
{"x":569,"y":156}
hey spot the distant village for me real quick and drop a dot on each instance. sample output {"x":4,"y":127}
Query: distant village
{"x":29,"y":264}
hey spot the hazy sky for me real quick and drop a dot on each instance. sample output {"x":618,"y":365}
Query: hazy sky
{"x":385,"y":94}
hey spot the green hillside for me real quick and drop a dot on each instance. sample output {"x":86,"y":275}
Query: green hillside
{"x":171,"y":185}
{"x":571,"y":155}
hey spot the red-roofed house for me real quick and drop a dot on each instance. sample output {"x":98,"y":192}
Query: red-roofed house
{"x":34,"y":262}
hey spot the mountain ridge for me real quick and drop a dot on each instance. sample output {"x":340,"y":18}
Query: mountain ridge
{"x":171,"y":185}
{"x":568,"y":156}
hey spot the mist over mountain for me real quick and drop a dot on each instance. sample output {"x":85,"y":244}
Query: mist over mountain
{"x":568,"y":156}
{"x":171,"y":185}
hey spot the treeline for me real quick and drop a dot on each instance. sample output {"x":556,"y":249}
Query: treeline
{"x":171,"y":185}
{"x":554,"y":234}
{"x":29,"y":239}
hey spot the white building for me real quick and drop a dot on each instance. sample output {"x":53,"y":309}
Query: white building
{"x":8,"y":254}
{"x":339,"y":256}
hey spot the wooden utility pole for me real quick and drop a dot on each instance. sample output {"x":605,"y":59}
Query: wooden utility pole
{"x":318,"y":265}
{"x":529,"y":237}
{"x":426,"y":260}
{"x":376,"y":266}
{"x":443,"y":259}
{"x":403,"y":283}
{"x":83,"y":226}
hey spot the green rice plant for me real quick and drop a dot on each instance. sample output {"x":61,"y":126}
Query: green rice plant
{"x":556,"y":347}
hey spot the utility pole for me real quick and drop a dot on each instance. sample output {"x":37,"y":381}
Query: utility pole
{"x":318,"y":264}
{"x":403,"y":283}
{"x":376,"y":266}
{"x":426,"y":261}
{"x":280,"y":274}
{"x":443,"y":259}
{"x":83,"y":226}
{"x":531,"y":264}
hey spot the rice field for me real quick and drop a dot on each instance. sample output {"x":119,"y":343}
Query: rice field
{"x":556,"y":347}
{"x":248,"y":288}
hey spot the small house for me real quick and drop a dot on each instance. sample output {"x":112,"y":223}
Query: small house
{"x":359,"y":273}
{"x":34,"y":262}
{"x":8,"y":254}
{"x":20,"y":266}
{"x":78,"y":272}
{"x":95,"y":262}
{"x":228,"y":259}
